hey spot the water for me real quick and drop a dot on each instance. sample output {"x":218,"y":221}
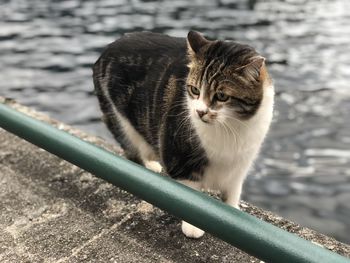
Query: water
{"x":303,"y":173}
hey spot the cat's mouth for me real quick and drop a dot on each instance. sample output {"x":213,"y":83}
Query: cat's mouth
{"x":206,"y":120}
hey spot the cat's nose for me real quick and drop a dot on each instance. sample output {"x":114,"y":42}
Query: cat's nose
{"x":201,"y":113}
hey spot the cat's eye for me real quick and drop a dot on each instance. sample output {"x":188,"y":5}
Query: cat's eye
{"x":195,"y":91}
{"x":220,"y":96}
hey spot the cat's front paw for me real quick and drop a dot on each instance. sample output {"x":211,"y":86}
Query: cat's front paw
{"x":154,"y":166}
{"x":191,"y":231}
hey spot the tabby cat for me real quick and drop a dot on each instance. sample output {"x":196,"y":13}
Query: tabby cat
{"x":198,"y":109}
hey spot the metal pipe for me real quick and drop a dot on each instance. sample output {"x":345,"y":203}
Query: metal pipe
{"x":240,"y":229}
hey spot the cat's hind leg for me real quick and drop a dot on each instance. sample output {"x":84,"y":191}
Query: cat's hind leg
{"x":130,"y":151}
{"x":145,"y":151}
{"x":135,"y":146}
{"x":154,"y":166}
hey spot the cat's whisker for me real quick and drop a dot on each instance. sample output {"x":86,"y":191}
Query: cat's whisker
{"x":182,"y":123}
{"x":235,"y":134}
{"x":236,"y":120}
{"x":177,"y":115}
{"x":228,"y":132}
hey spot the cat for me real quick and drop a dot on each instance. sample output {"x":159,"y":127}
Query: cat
{"x":195,"y":108}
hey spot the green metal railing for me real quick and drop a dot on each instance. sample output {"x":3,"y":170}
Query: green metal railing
{"x":240,"y":229}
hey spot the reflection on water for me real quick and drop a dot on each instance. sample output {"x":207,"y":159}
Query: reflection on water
{"x":47,"y":49}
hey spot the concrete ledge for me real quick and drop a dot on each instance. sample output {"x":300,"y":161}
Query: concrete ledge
{"x":52,"y":211}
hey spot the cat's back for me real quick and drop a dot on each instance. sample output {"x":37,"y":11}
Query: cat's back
{"x":141,"y":47}
{"x":131,"y":78}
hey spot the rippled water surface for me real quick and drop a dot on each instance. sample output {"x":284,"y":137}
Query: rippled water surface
{"x":47,"y":49}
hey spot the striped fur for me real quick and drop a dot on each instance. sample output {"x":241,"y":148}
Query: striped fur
{"x":199,"y":109}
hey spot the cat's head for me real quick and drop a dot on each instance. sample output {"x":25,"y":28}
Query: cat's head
{"x":225,"y":81}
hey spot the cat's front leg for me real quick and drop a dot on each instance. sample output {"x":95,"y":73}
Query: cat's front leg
{"x":231,"y":194}
{"x":232,"y":188}
{"x":190,"y":230}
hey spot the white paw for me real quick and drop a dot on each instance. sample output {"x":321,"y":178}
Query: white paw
{"x":191,"y":231}
{"x":154,"y":166}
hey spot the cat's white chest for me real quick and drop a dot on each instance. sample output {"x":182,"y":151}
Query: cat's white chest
{"x":231,"y":150}
{"x":225,"y":156}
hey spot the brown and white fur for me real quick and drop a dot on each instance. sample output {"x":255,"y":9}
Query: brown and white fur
{"x":196,"y":108}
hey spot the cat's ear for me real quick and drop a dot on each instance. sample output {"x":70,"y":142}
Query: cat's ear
{"x":254,"y":69}
{"x":195,"y":42}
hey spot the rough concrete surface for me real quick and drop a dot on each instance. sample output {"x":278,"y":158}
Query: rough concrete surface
{"x":52,"y":211}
